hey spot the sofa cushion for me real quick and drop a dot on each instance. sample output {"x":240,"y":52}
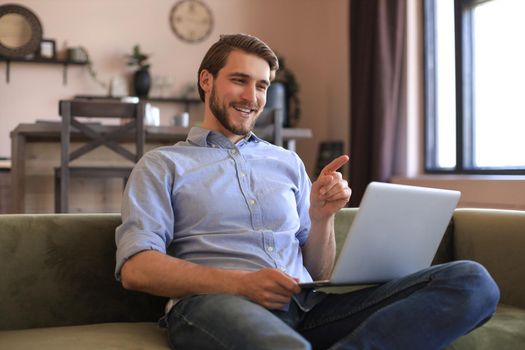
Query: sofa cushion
{"x":505,"y":330}
{"x":145,"y":335}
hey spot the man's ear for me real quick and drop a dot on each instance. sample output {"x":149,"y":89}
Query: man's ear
{"x":205,"y":80}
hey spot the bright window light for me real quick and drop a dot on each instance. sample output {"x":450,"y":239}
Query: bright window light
{"x":445,"y":85}
{"x":499,"y":77}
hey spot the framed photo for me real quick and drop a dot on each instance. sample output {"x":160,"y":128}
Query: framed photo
{"x":47,"y":49}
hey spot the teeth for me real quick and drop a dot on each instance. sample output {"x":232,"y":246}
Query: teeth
{"x":245,"y":110}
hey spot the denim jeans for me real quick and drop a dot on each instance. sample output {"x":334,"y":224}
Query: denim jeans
{"x":426,"y":310}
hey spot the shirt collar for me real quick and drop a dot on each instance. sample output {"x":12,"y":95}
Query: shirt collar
{"x":204,"y":138}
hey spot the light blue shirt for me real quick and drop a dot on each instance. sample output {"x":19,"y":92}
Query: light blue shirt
{"x":211,"y":202}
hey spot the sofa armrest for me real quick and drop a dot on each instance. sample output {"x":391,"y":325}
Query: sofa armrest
{"x":496,"y":239}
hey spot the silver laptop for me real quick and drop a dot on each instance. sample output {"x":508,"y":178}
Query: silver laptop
{"x":396,"y":231}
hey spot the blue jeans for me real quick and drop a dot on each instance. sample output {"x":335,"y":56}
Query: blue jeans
{"x":426,"y":310}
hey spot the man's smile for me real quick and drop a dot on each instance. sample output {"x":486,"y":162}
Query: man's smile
{"x":244,"y":109}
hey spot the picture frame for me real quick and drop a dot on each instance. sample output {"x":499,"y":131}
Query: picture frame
{"x":47,"y":49}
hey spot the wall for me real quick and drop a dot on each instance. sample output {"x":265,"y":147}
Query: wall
{"x":311,"y":34}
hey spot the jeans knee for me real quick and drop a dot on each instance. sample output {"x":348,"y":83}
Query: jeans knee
{"x":481,"y":291}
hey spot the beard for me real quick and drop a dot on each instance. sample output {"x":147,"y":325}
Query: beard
{"x":220,"y":112}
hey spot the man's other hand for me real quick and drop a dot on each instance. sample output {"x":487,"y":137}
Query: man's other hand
{"x":330,"y":192}
{"x":270,"y":288}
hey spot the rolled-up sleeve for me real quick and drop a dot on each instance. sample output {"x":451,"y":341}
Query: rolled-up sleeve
{"x":147,"y":213}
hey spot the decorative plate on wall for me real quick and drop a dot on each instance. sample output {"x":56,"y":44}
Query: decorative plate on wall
{"x":20,"y":31}
{"x":191,"y":20}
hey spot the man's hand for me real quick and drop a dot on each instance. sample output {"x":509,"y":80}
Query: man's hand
{"x":270,"y":288}
{"x":330,"y":192}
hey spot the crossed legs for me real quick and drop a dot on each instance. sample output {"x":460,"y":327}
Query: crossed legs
{"x":426,"y":310}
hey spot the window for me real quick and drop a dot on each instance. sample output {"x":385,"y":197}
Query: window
{"x":475,"y":86}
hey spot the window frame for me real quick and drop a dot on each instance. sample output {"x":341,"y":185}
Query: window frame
{"x":464,"y":93}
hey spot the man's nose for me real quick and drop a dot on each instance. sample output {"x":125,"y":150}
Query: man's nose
{"x":249,"y":93}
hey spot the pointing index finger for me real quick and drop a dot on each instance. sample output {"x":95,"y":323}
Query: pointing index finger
{"x":335,"y":164}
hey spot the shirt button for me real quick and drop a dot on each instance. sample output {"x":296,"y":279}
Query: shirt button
{"x":252,"y":202}
{"x":233,"y":152}
{"x":270,"y":249}
{"x":243,"y":174}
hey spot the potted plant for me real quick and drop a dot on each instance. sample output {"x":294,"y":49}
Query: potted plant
{"x":141,"y":77}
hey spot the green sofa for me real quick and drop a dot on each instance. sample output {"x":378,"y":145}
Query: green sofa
{"x":57,"y":289}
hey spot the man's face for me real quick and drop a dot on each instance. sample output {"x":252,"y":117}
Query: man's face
{"x":238,"y":93}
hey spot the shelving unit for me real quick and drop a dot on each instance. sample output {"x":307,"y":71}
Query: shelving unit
{"x":182,"y":100}
{"x":37,"y":60}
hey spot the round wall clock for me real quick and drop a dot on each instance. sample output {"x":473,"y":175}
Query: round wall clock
{"x":191,"y":20}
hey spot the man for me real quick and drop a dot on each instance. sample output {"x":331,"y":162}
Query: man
{"x":227,"y":225}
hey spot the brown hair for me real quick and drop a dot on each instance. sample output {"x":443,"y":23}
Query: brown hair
{"x":216,"y":56}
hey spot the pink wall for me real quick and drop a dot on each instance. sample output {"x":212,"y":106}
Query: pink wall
{"x":311,"y":34}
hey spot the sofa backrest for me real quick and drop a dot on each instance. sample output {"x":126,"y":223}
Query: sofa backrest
{"x":496,"y":239}
{"x":58,"y":269}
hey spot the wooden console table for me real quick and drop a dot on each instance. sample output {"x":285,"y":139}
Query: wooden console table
{"x":35,"y":152}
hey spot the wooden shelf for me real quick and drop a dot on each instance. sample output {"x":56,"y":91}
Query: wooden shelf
{"x":182,"y":100}
{"x":40,"y":60}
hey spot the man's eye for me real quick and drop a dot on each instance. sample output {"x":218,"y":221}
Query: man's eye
{"x":262,"y":87}
{"x":238,"y":81}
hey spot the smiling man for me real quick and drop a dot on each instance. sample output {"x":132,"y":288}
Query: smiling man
{"x":226,"y":225}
